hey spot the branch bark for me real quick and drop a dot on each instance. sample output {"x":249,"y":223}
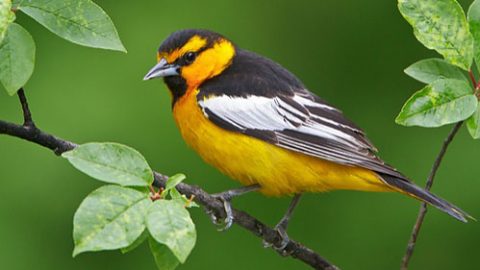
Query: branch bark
{"x":27,"y":115}
{"x":423,"y":208}
{"x":31,"y":133}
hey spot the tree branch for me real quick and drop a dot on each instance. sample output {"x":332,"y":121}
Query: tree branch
{"x":31,"y":133}
{"x":423,"y":209}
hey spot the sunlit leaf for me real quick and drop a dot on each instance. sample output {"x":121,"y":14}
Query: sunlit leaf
{"x":17,"y":58}
{"x":164,"y":258}
{"x":440,"y":103}
{"x":80,"y":21}
{"x":6,"y":17}
{"x":112,"y":163}
{"x":474,"y":21}
{"x":430,"y":70}
{"x":169,"y":223}
{"x":473,"y":124}
{"x":111,"y":217}
{"x":441,"y":25}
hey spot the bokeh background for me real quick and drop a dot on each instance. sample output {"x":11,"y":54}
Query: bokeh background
{"x":350,"y":52}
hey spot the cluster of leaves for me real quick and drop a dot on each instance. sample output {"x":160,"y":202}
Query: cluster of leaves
{"x":123,"y":215}
{"x":448,"y":97}
{"x":78,"y":21}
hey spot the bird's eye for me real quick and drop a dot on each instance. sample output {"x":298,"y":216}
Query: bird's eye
{"x":190,"y":57}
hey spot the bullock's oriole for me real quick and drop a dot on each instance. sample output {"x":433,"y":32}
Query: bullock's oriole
{"x":257,"y":123}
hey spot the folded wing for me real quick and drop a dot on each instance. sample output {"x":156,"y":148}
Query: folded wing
{"x":298,"y":121}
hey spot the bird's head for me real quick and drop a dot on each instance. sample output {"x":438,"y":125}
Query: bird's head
{"x":187,"y":58}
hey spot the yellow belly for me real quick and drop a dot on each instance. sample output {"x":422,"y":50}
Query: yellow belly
{"x":249,"y":160}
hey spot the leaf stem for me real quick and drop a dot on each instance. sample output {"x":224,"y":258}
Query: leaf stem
{"x":472,"y":77}
{"x":155,"y":195}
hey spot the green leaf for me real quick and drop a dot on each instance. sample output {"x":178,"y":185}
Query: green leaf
{"x":173,"y":181}
{"x":473,"y":124}
{"x":6,"y":17}
{"x":17,"y":57}
{"x":474,"y":21}
{"x":430,"y":70}
{"x":164,"y":258}
{"x":175,"y":195}
{"x":441,"y":25}
{"x":170,"y":224}
{"x":440,"y":103}
{"x":111,"y":217}
{"x":136,"y":243}
{"x":80,"y":21}
{"x":112,"y":163}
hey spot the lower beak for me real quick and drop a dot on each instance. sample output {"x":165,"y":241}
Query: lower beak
{"x":162,"y":69}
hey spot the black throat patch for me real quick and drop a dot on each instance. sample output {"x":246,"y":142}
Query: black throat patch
{"x":177,"y":86}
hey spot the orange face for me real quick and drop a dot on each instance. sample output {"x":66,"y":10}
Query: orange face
{"x":195,"y":61}
{"x":208,"y":63}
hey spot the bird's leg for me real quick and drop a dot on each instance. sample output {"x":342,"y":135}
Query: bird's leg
{"x":282,"y":225}
{"x":226,"y":197}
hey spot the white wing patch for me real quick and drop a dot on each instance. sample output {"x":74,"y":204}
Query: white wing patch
{"x":253,"y":112}
{"x":276,"y":115}
{"x":308,"y":102}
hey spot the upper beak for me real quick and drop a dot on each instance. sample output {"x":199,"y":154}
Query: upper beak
{"x":162,"y":69}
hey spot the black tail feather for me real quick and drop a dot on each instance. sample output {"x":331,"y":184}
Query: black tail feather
{"x":419,"y":193}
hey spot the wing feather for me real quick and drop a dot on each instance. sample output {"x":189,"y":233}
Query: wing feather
{"x":300,"y":122}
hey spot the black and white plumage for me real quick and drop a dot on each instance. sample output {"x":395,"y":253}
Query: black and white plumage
{"x":287,"y":115}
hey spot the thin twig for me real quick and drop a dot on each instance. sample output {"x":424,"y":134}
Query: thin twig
{"x":27,"y":115}
{"x":423,"y":209}
{"x":210,"y":203}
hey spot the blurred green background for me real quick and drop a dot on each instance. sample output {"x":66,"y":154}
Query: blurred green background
{"x":350,"y":52}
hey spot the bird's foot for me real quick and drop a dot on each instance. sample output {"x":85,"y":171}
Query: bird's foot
{"x":281,"y":229}
{"x":227,"y":222}
{"x":226,"y":198}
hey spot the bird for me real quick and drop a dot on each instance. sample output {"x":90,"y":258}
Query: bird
{"x":257,"y":123}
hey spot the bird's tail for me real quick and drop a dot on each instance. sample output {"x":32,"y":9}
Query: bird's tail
{"x":419,"y":193}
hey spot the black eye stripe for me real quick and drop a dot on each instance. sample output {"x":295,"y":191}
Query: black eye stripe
{"x":182,"y":61}
{"x":203,"y":49}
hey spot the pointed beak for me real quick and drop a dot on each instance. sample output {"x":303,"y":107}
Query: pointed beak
{"x":162,"y":69}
